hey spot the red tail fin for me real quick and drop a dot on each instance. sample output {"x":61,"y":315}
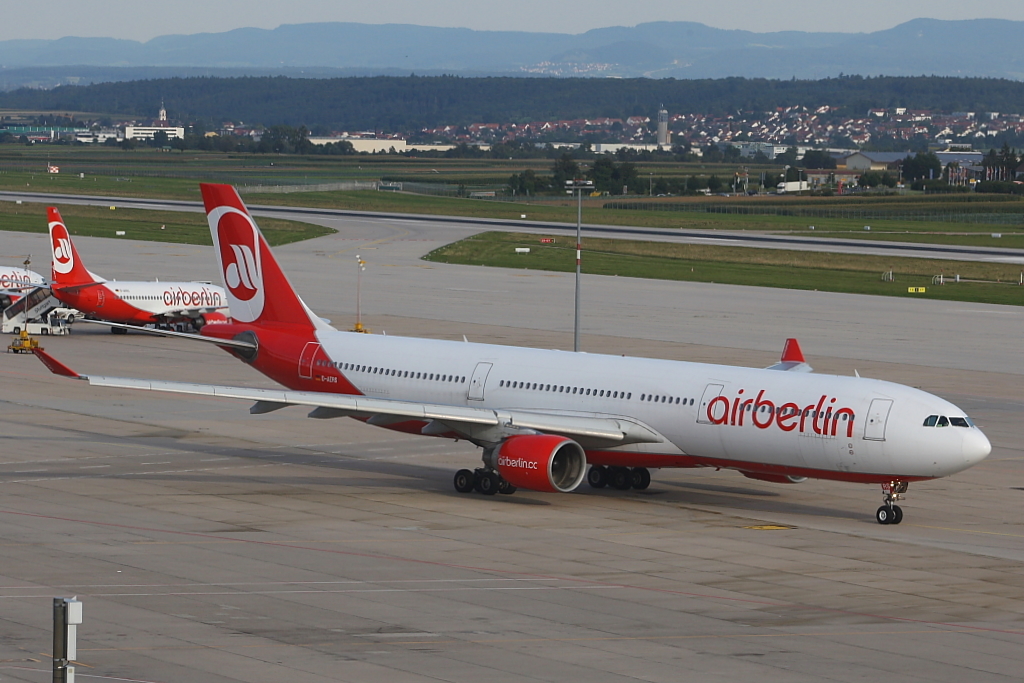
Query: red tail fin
{"x":258,"y":291}
{"x":66,"y":266}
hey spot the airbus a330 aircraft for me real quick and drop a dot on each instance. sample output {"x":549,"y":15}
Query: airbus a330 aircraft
{"x":15,"y":282}
{"x":542,"y":417}
{"x":133,"y":303}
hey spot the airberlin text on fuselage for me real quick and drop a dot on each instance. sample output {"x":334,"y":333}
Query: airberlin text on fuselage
{"x":14,"y":280}
{"x":195,"y":297}
{"x":822,"y":417}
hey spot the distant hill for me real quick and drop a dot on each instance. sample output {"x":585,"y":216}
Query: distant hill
{"x":682,"y":50}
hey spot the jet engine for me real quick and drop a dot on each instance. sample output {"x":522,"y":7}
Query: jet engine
{"x":541,"y":462}
{"x":211,"y":318}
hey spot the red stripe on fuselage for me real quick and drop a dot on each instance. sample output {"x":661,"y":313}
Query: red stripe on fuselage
{"x":655,"y":460}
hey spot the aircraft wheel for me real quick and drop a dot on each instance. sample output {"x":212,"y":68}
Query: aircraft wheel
{"x":506,"y":488}
{"x":620,"y":478}
{"x":641,"y":478}
{"x":488,"y":483}
{"x":464,"y":481}
{"x":897,"y":513}
{"x":118,"y":330}
{"x":884,"y":515}
{"x":597,"y":477}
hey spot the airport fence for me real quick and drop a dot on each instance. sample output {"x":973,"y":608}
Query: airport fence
{"x":318,"y":187}
{"x":1013,"y":215}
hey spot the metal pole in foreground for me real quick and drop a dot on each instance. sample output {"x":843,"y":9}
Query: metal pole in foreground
{"x":578,"y":185}
{"x":59,"y":642}
{"x":67,"y":615}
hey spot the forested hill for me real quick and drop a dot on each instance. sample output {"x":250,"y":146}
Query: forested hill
{"x":411,"y":103}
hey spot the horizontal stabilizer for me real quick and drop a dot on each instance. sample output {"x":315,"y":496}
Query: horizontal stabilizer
{"x":230,"y":343}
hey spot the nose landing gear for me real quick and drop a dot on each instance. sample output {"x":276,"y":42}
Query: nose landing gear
{"x":890,"y":513}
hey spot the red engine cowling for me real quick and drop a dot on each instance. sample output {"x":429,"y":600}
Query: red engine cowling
{"x":774,"y":478}
{"x":542,"y":462}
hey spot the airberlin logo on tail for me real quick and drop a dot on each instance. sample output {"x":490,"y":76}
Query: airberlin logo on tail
{"x":63,"y":256}
{"x":238,"y":246}
{"x":821,"y":418}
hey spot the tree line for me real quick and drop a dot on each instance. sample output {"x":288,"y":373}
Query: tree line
{"x":415,"y":102}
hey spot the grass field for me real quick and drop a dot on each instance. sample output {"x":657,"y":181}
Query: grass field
{"x":147,"y":173}
{"x":992,"y":283}
{"x":138,"y":224}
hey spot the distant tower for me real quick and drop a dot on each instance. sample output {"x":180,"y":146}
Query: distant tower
{"x":663,"y":127}
{"x":163,"y":114}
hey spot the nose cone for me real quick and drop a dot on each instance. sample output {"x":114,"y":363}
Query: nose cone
{"x":975,"y":446}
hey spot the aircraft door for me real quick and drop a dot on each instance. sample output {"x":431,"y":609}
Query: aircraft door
{"x":878,"y":415}
{"x":711,"y":392}
{"x":306,"y":360}
{"x":478,"y":380}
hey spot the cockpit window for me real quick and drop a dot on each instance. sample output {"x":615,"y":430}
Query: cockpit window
{"x":943,"y":421}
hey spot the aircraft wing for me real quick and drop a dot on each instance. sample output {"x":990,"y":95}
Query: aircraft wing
{"x":465,"y":421}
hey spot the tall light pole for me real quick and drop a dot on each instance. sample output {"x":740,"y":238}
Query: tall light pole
{"x":360,"y":267}
{"x":578,"y":185}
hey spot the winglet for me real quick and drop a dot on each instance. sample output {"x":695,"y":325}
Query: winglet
{"x":792,"y":358}
{"x":55,"y":366}
{"x":791,"y":352}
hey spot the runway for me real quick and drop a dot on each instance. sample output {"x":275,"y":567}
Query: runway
{"x":515,"y":222}
{"x":211,"y":545}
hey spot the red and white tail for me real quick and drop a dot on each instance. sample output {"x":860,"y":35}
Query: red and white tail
{"x":66,"y":266}
{"x":258,"y":291}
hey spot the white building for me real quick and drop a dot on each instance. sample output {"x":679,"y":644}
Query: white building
{"x":147,"y":132}
{"x":99,"y":136}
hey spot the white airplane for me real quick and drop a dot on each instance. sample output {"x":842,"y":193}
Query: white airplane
{"x":132,"y":303}
{"x":542,"y":417}
{"x":15,"y":282}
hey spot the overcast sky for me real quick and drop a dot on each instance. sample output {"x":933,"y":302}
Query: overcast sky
{"x":140,"y":20}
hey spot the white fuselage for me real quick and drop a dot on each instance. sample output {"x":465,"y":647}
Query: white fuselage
{"x":848,"y":428}
{"x":168,"y":298}
{"x":18,"y":278}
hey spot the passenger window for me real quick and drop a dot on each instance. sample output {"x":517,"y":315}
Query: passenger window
{"x":931,"y":420}
{"x":943,"y":422}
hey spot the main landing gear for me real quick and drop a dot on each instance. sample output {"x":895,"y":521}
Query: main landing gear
{"x":481,"y":480}
{"x":890,"y":513}
{"x":621,"y":478}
